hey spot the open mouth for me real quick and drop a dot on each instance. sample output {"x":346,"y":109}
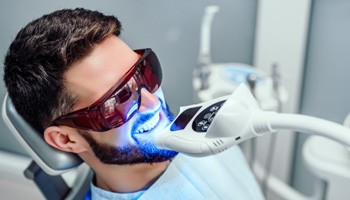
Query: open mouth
{"x":148,"y":125}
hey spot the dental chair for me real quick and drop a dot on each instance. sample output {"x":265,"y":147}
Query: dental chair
{"x":58,"y":175}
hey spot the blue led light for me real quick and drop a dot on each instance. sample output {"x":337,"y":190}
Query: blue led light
{"x":239,"y":75}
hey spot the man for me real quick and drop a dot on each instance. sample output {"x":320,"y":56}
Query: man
{"x":73,"y":79}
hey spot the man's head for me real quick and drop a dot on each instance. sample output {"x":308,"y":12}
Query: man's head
{"x":40,"y":54}
{"x":66,"y":61}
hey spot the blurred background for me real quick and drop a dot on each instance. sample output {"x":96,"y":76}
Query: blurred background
{"x":308,"y":39}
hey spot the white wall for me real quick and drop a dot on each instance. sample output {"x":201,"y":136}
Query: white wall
{"x":281,"y":35}
{"x":326,"y":83}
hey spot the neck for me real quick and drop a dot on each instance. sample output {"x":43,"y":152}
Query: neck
{"x":128,"y":178}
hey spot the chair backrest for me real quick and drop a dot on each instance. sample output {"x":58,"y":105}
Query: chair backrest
{"x":51,"y":160}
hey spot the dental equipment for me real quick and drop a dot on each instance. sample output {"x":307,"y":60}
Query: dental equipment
{"x":204,"y":55}
{"x":212,"y":127}
{"x":212,"y":80}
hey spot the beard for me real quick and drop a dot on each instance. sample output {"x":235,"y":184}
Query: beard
{"x":142,"y":152}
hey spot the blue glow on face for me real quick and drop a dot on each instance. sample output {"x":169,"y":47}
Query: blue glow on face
{"x":145,"y":141}
{"x":143,"y":151}
{"x":132,"y":110}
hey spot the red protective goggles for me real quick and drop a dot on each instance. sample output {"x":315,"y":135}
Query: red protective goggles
{"x":121,"y":102}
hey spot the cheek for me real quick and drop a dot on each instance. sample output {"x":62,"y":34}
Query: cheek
{"x":159,"y":93}
{"x":119,"y":136}
{"x":123,"y":135}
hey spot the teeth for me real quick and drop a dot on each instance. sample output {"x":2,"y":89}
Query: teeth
{"x":149,"y":124}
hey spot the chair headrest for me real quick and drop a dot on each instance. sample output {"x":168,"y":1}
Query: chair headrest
{"x":51,"y":160}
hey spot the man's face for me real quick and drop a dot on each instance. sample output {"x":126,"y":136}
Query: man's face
{"x":90,"y":78}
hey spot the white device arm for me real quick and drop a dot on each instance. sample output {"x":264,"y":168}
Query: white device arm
{"x":214,"y":126}
{"x":312,"y":125}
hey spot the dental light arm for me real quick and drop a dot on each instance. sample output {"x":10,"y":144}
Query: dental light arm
{"x":214,"y":126}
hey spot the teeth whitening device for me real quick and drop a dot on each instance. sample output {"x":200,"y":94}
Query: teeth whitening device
{"x":212,"y":127}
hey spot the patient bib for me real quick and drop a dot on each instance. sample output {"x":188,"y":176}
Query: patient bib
{"x":222,"y":176}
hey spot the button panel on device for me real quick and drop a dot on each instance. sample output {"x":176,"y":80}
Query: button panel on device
{"x":204,"y":119}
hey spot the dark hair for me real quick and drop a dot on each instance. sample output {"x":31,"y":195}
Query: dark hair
{"x":40,"y":54}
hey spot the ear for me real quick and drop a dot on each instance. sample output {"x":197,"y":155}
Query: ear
{"x":62,"y":140}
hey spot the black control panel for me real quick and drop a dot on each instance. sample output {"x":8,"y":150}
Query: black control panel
{"x":184,"y":118}
{"x":204,"y":119}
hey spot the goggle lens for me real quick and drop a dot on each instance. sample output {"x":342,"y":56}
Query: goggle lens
{"x":121,"y":102}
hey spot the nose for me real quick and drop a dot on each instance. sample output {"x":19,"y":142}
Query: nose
{"x":149,"y":102}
